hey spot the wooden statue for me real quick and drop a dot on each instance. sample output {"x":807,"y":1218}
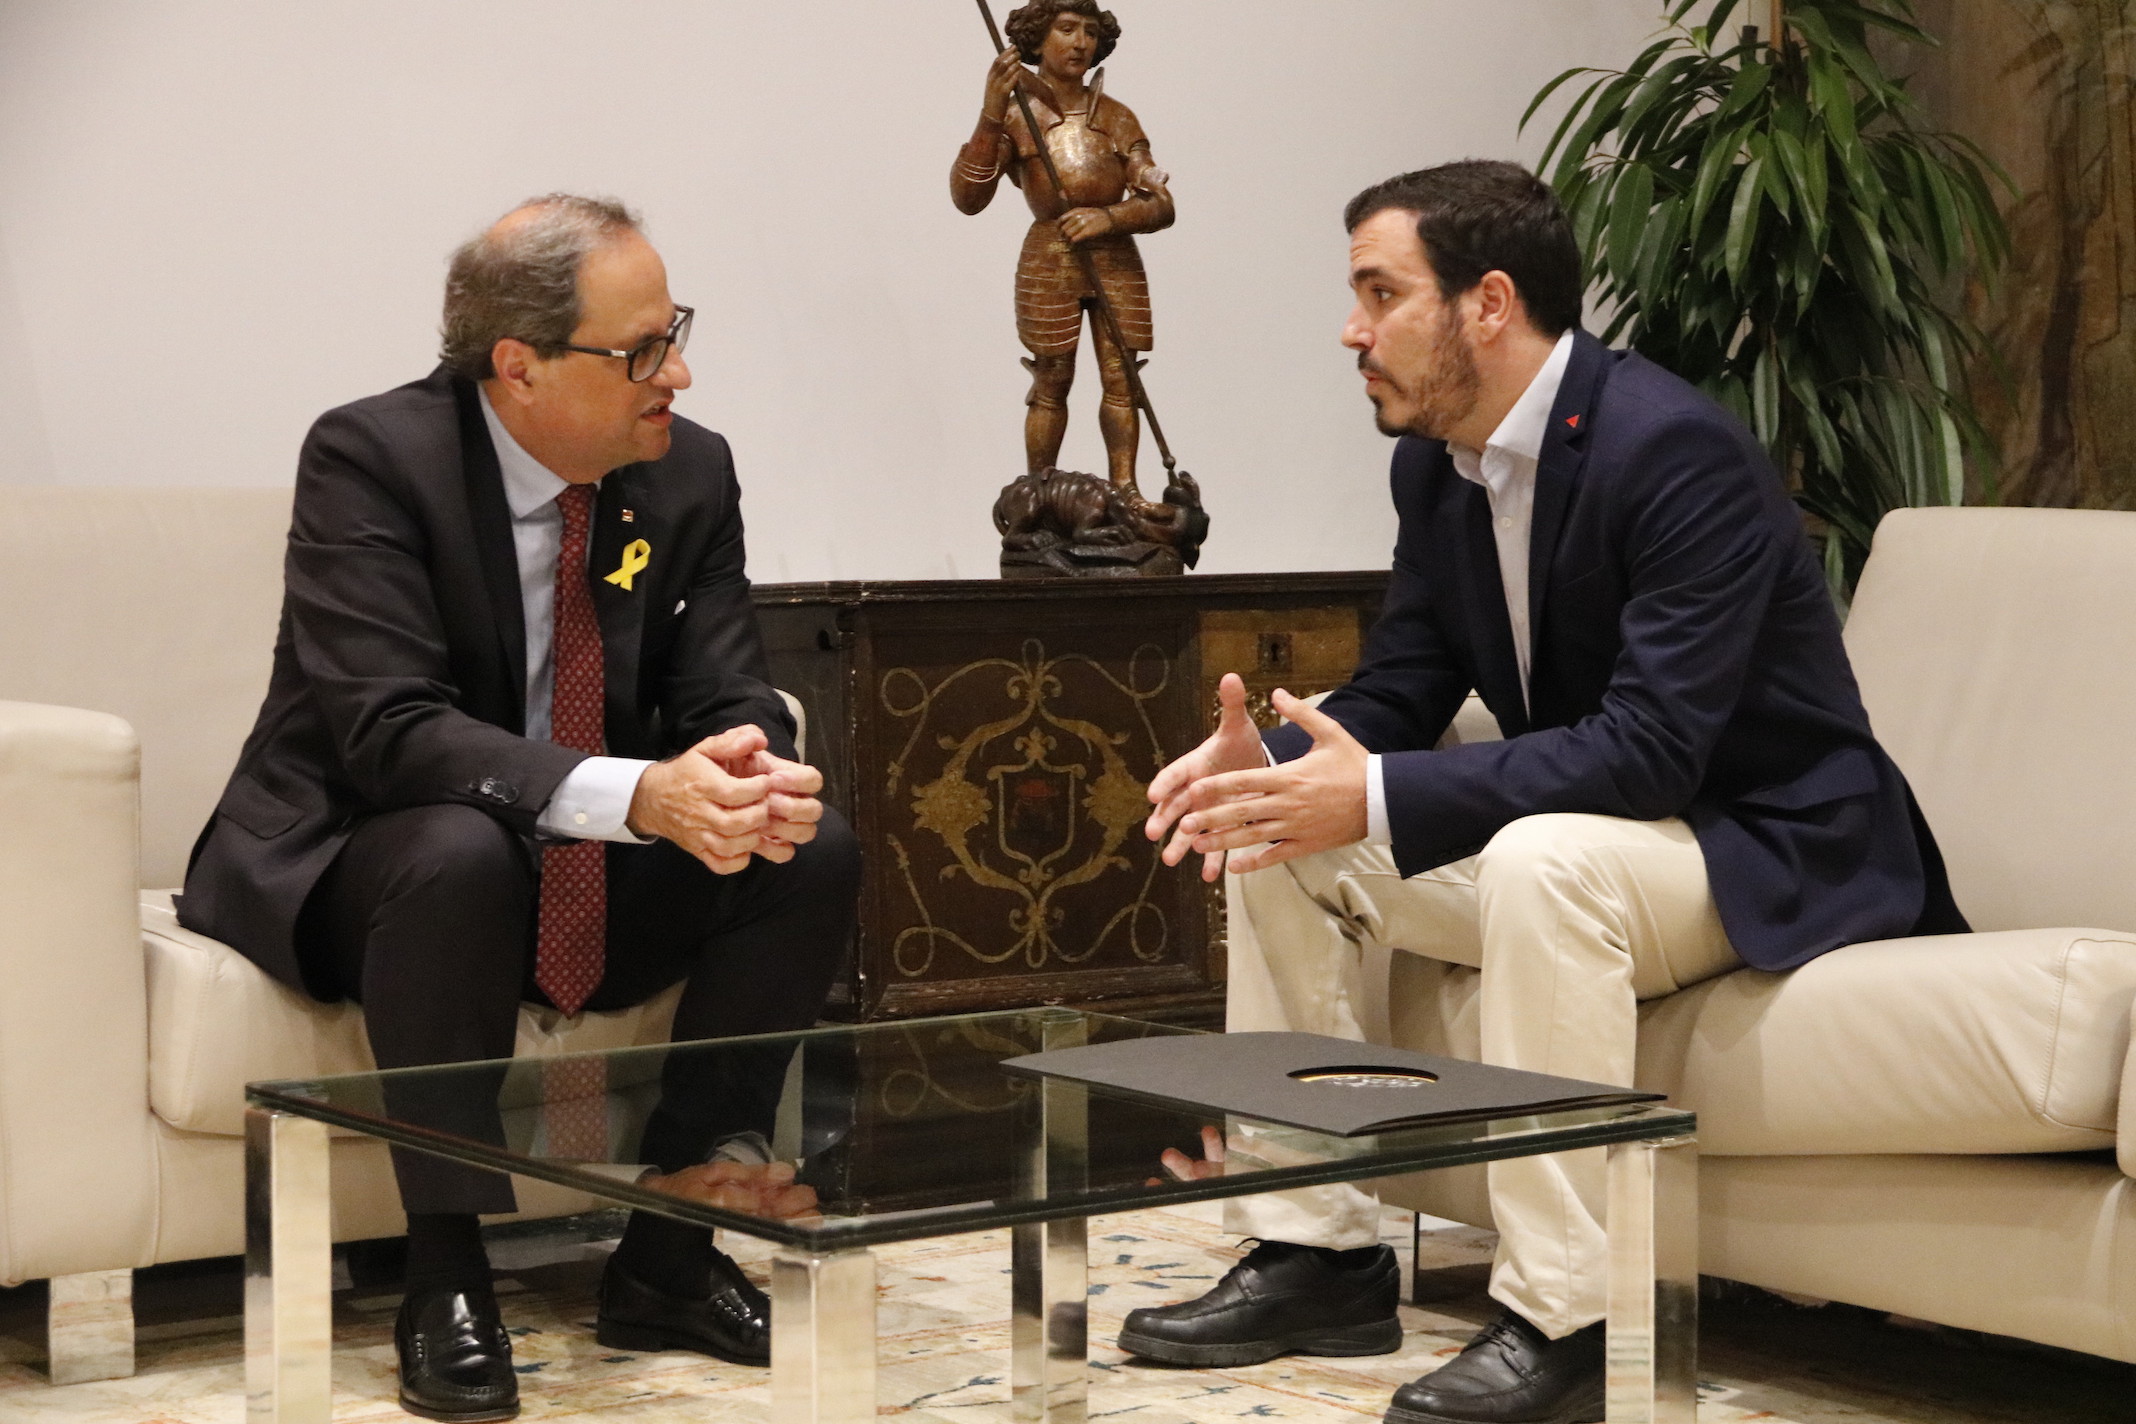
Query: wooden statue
{"x":1085,"y":169}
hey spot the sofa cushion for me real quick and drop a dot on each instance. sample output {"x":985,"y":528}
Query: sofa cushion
{"x":1997,"y":659}
{"x":165,"y":616}
{"x":2004,"y":1042}
{"x":216,"y":1022}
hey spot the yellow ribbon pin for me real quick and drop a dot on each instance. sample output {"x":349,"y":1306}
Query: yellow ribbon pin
{"x":636,"y":555}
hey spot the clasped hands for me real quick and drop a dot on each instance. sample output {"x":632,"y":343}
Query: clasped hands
{"x":1223,"y":800}
{"x":727,"y":799}
{"x":763,"y":1189}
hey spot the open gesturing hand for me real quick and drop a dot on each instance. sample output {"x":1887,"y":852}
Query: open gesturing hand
{"x":1182,"y":1168}
{"x":1260,"y":815}
{"x":1234,"y":746}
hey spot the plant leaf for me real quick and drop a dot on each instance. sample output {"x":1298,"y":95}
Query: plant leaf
{"x":1743,"y":222}
{"x":1572,"y":115}
{"x":1547,"y":90}
{"x":1751,"y":81}
{"x":1713,"y":171}
{"x":1680,"y":8}
{"x":1834,"y":104}
{"x":1628,"y":214}
{"x":1776,"y":225}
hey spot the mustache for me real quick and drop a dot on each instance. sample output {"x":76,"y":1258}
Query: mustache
{"x":1370,"y":367}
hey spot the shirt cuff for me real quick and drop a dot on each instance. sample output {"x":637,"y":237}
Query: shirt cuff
{"x":593,"y":802}
{"x":1377,"y":831}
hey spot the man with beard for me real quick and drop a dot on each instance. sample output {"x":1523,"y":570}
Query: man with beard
{"x":1687,"y":783}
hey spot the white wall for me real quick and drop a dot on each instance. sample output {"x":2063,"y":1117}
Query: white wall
{"x":218,"y":218}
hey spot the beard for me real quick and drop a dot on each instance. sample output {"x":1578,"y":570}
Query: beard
{"x":1441,"y":395}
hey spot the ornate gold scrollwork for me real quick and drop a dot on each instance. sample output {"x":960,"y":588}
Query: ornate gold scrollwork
{"x":1054,"y":791}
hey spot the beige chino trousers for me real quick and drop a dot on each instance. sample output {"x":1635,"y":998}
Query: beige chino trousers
{"x":1571,"y":919}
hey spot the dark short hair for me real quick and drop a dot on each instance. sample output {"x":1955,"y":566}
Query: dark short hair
{"x":523,"y":282}
{"x":1479,"y":216}
{"x":1027,"y":26}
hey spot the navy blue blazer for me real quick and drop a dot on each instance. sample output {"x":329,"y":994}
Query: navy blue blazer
{"x":1685,"y":661}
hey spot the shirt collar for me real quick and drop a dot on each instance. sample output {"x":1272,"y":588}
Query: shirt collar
{"x":1521,"y":432}
{"x":528,"y":483}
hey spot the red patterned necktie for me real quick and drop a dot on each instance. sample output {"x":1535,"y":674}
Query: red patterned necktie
{"x":573,"y":938}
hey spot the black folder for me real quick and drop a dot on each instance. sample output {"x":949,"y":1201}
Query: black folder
{"x":1322,"y":1084}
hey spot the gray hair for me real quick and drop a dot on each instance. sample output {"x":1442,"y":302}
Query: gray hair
{"x":521,"y":280}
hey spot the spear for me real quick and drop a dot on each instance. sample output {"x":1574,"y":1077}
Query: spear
{"x":1090,"y":267}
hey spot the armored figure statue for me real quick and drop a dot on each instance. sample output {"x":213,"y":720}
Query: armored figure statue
{"x":1110,"y":189}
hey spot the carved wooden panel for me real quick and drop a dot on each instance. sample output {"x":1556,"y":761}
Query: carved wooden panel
{"x":993,"y":743}
{"x":1304,"y":651}
{"x":1008,"y":804}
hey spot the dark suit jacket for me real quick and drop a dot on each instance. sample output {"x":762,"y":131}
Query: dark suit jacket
{"x":400,"y":666}
{"x":1685,"y":661}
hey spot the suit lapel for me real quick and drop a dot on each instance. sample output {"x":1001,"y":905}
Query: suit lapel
{"x":493,"y":542}
{"x":1557,"y":468}
{"x":1497,"y":669}
{"x":615,"y":557}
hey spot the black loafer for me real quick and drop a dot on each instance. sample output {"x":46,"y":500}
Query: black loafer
{"x":733,"y":1323}
{"x":455,"y":1359}
{"x":1282,"y":1299}
{"x":1511,"y":1373}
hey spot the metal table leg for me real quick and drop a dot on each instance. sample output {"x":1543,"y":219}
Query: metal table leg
{"x":289,"y":1273}
{"x":1049,"y":1323}
{"x":1050,"y":1271}
{"x":1652,"y":1335}
{"x":823,"y":1337}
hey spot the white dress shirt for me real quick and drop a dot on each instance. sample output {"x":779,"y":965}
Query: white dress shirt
{"x":592,"y":803}
{"x":1506,"y":469}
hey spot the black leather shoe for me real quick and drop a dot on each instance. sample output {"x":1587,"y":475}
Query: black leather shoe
{"x":455,"y":1359}
{"x":1281,"y":1299}
{"x":1511,"y":1373}
{"x":733,"y":1323}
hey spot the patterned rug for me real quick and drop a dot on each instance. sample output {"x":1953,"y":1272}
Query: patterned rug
{"x":945,"y":1338}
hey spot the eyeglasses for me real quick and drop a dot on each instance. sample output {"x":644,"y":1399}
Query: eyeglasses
{"x":650,"y":354}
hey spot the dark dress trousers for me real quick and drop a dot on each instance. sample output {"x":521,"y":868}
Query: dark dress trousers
{"x":1685,"y":661}
{"x":376,"y":840}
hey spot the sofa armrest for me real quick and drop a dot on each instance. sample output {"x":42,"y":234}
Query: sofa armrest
{"x":2125,"y":1112}
{"x":799,"y":713}
{"x":77,"y":1158}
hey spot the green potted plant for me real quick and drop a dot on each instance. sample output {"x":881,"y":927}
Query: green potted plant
{"x":1767,"y":217}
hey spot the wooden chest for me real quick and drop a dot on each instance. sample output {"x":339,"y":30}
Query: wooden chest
{"x":992,"y":742}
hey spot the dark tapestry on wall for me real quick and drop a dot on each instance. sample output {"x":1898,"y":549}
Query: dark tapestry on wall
{"x":2048,"y":87}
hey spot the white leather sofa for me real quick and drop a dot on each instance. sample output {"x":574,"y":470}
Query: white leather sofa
{"x":136,"y":627}
{"x":1924,"y":1127}
{"x":1930,"y":1126}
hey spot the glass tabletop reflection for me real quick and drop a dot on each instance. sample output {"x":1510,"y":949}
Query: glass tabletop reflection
{"x":841,"y":1137}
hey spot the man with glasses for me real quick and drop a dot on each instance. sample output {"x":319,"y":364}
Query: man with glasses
{"x":519,"y":745}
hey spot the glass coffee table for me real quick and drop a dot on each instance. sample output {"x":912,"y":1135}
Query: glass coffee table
{"x":906,"y":1131}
